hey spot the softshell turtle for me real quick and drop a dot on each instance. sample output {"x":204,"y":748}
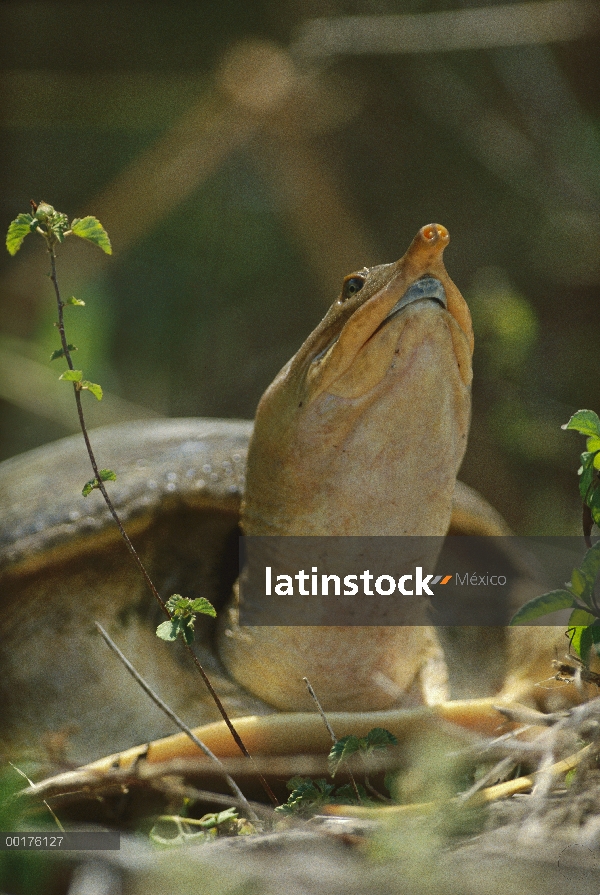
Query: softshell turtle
{"x":341,"y":445}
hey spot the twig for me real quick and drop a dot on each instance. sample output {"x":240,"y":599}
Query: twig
{"x":101,"y":487}
{"x":171,"y":714}
{"x":320,"y":710}
{"x":31,"y":783}
{"x":330,"y":731}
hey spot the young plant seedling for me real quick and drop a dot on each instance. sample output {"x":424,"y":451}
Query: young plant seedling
{"x":54,"y":227}
{"x":580,"y":593}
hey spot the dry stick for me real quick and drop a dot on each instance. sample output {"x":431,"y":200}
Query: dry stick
{"x":31,"y":783}
{"x":176,"y":720}
{"x":330,"y":731}
{"x":124,"y":535}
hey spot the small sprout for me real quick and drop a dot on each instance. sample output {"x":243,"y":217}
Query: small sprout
{"x":91,"y":229}
{"x":82,"y":384}
{"x":580,"y":593}
{"x":306,"y":796}
{"x":106,"y":475}
{"x":44,"y":212}
{"x":377,"y":738}
{"x":75,"y":301}
{"x":183,"y":616}
{"x":341,"y":752}
{"x":60,"y":352}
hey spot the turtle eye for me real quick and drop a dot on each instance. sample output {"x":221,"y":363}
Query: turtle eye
{"x":351,"y":286}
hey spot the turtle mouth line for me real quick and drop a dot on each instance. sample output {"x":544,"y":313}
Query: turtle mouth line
{"x":424,"y":288}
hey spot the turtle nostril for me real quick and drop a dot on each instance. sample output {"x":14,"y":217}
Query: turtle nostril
{"x":433,"y":232}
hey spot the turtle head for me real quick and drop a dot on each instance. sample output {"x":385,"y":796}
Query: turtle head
{"x":363,"y":431}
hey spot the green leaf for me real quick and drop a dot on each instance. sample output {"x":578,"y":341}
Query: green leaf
{"x":71,"y":375}
{"x":306,"y":796}
{"x":186,"y":626}
{"x":175,"y":601}
{"x":590,"y":565}
{"x":89,"y":487}
{"x":380,"y":738}
{"x":107,"y":475}
{"x":92,"y":387}
{"x":586,"y":473}
{"x":91,"y":229}
{"x":579,"y":618}
{"x":584,"y":421}
{"x":341,"y":751}
{"x":590,"y":636}
{"x":582,"y":637}
{"x":168,"y":630}
{"x":593,"y":444}
{"x":579,"y":583}
{"x":60,"y":353}
{"x":204,"y":606}
{"x":74,"y":301}
{"x":18,"y":230}
{"x":550,"y":602}
{"x":345,"y":795}
{"x":593,"y":503}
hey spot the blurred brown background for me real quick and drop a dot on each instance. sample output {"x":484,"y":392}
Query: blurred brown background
{"x":244,"y":157}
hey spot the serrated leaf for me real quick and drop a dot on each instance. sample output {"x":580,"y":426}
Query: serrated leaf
{"x":175,"y":601}
{"x":586,"y":473}
{"x":550,"y":602}
{"x":204,"y":606}
{"x":18,"y":230}
{"x":71,"y":375}
{"x":75,"y":301}
{"x":92,"y":387}
{"x":584,"y":421}
{"x":60,"y":352}
{"x":341,"y":751}
{"x":91,"y":229}
{"x":168,"y":630}
{"x":107,"y":475}
{"x":89,"y":487}
{"x":380,"y":738}
{"x":186,"y":626}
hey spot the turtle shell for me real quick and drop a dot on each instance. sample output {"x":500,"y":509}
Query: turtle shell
{"x":63,"y":566}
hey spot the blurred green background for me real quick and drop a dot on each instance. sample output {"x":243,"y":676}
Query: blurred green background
{"x":244,"y":159}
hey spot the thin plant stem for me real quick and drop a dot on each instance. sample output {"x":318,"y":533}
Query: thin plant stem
{"x":174,"y":718}
{"x":334,"y":739}
{"x":113,"y":512}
